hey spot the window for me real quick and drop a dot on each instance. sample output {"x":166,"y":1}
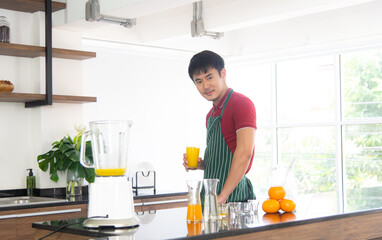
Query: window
{"x":363,"y":166}
{"x":307,"y":164}
{"x":319,"y":129}
{"x":306,"y":90}
{"x":362,"y":83}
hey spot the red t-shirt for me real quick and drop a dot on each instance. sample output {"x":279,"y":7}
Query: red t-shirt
{"x":239,"y":113}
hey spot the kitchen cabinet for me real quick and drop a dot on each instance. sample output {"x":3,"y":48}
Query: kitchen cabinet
{"x":17,"y":224}
{"x":29,"y":51}
{"x":8,"y":225}
{"x":157,"y":203}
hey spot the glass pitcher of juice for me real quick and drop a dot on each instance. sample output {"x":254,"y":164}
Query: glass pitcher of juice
{"x":109,"y":141}
{"x":194,"y":207}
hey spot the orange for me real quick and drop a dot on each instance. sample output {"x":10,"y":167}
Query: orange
{"x":276,"y":192}
{"x":287,"y":205}
{"x":271,"y":206}
{"x":287,"y":217}
{"x":271,"y":218}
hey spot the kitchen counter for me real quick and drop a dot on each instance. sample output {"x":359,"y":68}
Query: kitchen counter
{"x":171,"y":224}
{"x":143,"y":196}
{"x":18,"y":214}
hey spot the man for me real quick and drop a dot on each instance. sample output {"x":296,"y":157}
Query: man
{"x":231,"y":127}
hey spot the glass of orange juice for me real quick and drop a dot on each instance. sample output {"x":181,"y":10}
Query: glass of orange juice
{"x":192,"y":152}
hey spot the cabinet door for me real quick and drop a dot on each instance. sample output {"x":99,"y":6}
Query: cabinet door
{"x":26,"y":217}
{"x":158,"y":203}
{"x":7,"y":225}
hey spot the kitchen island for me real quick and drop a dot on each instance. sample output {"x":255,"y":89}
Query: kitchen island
{"x":172,"y":224}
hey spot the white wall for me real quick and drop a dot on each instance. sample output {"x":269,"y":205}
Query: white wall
{"x":26,"y":133}
{"x":151,"y":87}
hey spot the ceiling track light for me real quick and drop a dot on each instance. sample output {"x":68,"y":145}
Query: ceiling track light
{"x":197,"y":24}
{"x":93,"y":13}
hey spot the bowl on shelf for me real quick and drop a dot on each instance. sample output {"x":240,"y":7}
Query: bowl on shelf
{"x":6,"y":86}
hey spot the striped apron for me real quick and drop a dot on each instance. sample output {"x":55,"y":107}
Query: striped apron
{"x":218,"y":160}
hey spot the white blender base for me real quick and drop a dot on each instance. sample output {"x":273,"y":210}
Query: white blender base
{"x":111,"y":203}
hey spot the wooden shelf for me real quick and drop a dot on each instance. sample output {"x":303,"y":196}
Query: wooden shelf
{"x":21,"y":50}
{"x":28,"y":97}
{"x":30,"y":51}
{"x":30,"y":6}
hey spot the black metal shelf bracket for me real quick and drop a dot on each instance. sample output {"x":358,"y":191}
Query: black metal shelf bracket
{"x":48,"y":60}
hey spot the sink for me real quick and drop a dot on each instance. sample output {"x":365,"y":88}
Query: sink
{"x":27,"y":200}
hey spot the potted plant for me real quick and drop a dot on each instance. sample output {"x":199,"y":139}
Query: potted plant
{"x":65,"y":155}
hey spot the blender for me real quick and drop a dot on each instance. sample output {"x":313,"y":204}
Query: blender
{"x":110,"y":196}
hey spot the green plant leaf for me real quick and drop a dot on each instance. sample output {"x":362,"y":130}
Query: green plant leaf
{"x":77,"y":142}
{"x":44,"y":160}
{"x":90,"y":174}
{"x":68,"y":148}
{"x":65,"y":155}
{"x":89,"y":153}
{"x":54,"y":176}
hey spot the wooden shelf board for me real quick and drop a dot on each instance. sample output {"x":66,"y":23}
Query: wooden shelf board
{"x":28,"y":97}
{"x":21,"y":50}
{"x":30,"y":6}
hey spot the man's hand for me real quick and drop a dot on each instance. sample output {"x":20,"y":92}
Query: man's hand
{"x":185,"y":163}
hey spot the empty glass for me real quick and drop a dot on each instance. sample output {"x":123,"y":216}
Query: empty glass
{"x":234,"y":209}
{"x":253,"y":206}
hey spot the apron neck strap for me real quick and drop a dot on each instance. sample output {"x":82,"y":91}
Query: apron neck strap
{"x":226,"y":101}
{"x":224,"y":105}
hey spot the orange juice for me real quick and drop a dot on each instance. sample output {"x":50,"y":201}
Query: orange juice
{"x":110,"y":171}
{"x":192,"y":156}
{"x":194,"y":228}
{"x":194,"y":212}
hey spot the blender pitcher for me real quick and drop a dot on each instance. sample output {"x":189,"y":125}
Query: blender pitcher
{"x":210,"y":200}
{"x":109,"y":146}
{"x":194,"y":206}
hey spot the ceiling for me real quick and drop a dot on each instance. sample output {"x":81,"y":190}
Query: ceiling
{"x":249,"y":25}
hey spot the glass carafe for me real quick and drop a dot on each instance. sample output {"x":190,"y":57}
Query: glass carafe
{"x":210,"y":200}
{"x":109,"y":141}
{"x":194,"y":207}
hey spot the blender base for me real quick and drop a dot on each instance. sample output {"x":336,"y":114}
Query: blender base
{"x":111,"y":223}
{"x":111,"y":203}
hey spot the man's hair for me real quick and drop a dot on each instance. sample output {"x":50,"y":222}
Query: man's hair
{"x":203,"y":61}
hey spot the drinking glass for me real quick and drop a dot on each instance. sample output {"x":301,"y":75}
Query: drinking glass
{"x":223,"y":210}
{"x":192,"y":152}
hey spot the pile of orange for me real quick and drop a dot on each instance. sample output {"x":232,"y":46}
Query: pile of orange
{"x":276,"y":201}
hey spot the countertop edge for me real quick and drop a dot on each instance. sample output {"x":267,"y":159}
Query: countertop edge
{"x":230,"y":233}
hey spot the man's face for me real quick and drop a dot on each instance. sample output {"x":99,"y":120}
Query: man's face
{"x":211,"y":85}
